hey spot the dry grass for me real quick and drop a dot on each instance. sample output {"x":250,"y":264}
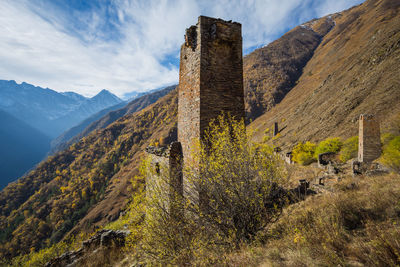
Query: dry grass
{"x":357,"y":225}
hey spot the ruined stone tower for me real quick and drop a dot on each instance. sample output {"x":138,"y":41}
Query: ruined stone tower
{"x":369,"y":141}
{"x":210,"y":78}
{"x":210,"y":84}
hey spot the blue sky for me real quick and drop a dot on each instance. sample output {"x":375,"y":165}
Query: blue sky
{"x":122,"y":45}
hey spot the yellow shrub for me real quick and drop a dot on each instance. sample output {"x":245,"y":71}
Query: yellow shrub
{"x":391,"y":154}
{"x":235,"y":178}
{"x":303,"y":153}
{"x":328,"y":145}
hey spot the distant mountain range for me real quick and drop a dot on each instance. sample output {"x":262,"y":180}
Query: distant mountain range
{"x":32,"y":116}
{"x":49,"y":111}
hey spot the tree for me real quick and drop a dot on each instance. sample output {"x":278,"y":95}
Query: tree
{"x":303,"y":153}
{"x":328,"y":145}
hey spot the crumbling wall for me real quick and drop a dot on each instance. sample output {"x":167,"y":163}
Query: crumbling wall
{"x":164,"y":176}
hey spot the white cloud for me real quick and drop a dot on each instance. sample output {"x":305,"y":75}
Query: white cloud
{"x":38,"y":46}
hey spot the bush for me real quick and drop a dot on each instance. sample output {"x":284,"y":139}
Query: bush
{"x":349,"y":149}
{"x":236,"y":179}
{"x":303,"y":153}
{"x":391,"y":154}
{"x":328,"y":145}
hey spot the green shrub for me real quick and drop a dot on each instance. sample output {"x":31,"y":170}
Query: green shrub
{"x":328,"y":145}
{"x":386,"y":138}
{"x":303,"y":153}
{"x":349,"y":149}
{"x":391,"y":154}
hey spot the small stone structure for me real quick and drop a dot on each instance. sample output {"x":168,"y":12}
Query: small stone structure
{"x":369,"y":141}
{"x":326,"y":158}
{"x":99,"y":245}
{"x":165,"y":175}
{"x":288,"y":157}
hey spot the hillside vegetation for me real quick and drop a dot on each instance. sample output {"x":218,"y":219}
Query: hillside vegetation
{"x":342,"y":68}
{"x":60,"y":195}
{"x":355,"y":225}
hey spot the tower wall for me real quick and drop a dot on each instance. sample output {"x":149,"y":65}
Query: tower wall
{"x":369,"y":141}
{"x":210,"y":78}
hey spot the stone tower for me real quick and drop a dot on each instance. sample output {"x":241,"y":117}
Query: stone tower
{"x":210,"y":78}
{"x":369,"y":141}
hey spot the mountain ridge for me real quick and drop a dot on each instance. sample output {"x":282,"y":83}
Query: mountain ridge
{"x":47,"y":110}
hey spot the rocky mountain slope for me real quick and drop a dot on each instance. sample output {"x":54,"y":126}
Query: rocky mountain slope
{"x":352,"y":71}
{"x":272,"y":71}
{"x":314,"y":81}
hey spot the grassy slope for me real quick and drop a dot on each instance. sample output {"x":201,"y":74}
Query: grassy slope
{"x":271,"y":72}
{"x":358,"y":224}
{"x":351,"y":72}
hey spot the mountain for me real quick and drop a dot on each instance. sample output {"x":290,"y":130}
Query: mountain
{"x":105,"y":117}
{"x":61,"y":141}
{"x":22,"y":147}
{"x":351,"y":72}
{"x":79,"y":98}
{"x":272,"y":71}
{"x":133,"y":95}
{"x":47,"y":110}
{"x":102,"y":100}
{"x":315,"y":81}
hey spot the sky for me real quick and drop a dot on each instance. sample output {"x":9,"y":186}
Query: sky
{"x":128,"y":45}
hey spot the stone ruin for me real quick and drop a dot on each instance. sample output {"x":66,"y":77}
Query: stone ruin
{"x":369,"y":138}
{"x":105,"y":243}
{"x":369,"y":144}
{"x":326,"y":158}
{"x":165,"y":175}
{"x":210,"y":84}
